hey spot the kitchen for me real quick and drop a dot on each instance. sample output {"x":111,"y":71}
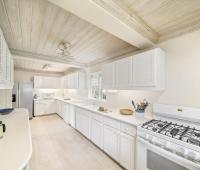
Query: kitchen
{"x":72,"y":69}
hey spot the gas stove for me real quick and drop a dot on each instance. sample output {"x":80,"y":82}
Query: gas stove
{"x":174,"y":130}
{"x":173,"y":136}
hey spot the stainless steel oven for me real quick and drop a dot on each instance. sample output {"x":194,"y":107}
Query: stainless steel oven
{"x":153,"y":157}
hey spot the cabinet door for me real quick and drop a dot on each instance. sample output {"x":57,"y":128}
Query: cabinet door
{"x":65,"y":82}
{"x":12,"y":73}
{"x":111,"y":142}
{"x":72,"y":115}
{"x":50,"y":107}
{"x":78,"y":122}
{"x":39,"y":108}
{"x":108,"y":76}
{"x":82,"y":80}
{"x":71,"y":81}
{"x":83,"y":122}
{"x":76,"y":80}
{"x":38,"y":82}
{"x":59,"y":107}
{"x":123,"y":73}
{"x":126,"y":151}
{"x":86,"y":126}
{"x":144,"y":69}
{"x":62,"y":109}
{"x":97,"y":133}
{"x":66,"y":111}
{"x":2,"y":60}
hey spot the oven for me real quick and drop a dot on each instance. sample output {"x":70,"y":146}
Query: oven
{"x":154,"y":157}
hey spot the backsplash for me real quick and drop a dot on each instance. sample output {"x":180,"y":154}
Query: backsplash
{"x":120,"y":99}
{"x":48,"y":93}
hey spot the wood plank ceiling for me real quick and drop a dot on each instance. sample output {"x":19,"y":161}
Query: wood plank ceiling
{"x":168,"y":18}
{"x":37,"y":27}
{"x":33,"y":65}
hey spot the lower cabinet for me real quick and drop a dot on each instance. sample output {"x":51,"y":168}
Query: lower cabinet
{"x":111,"y":142}
{"x":44,"y":107}
{"x":60,"y":108}
{"x":115,"y":138}
{"x":83,"y":122}
{"x":126,"y":151}
{"x":97,"y":133}
{"x":66,"y":112}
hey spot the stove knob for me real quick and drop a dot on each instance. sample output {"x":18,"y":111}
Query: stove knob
{"x":158,"y":143}
{"x":147,"y":137}
{"x":182,"y":152}
{"x":153,"y":140}
{"x":194,"y":156}
{"x":169,"y":146}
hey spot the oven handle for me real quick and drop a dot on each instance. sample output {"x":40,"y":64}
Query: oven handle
{"x":172,"y":156}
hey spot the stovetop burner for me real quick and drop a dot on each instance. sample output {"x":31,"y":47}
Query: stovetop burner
{"x":180,"y":132}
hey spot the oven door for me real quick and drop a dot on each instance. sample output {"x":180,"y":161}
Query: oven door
{"x":152,"y":157}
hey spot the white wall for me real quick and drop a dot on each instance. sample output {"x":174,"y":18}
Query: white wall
{"x":183,"y":71}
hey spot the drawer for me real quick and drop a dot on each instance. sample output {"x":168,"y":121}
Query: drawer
{"x":128,"y":129}
{"x":83,"y":111}
{"x":111,"y":122}
{"x":97,"y":117}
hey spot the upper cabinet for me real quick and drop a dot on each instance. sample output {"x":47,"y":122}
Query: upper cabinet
{"x":144,"y":71}
{"x":108,"y":76}
{"x":42,"y":82}
{"x":148,"y":70}
{"x":74,"y":81}
{"x":123,"y":73}
{"x":6,"y":65}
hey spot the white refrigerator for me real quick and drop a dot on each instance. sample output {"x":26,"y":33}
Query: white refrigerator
{"x":22,"y":96}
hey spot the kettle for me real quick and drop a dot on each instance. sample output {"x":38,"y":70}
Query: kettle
{"x":2,"y":129}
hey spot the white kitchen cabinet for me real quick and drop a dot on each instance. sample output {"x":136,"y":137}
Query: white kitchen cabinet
{"x":82,"y":80}
{"x":74,"y":81}
{"x":60,"y":108}
{"x":114,"y":137}
{"x":71,"y":81}
{"x":148,"y":70}
{"x":44,"y":107}
{"x":97,"y":132}
{"x":108,"y":76}
{"x":127,"y":151}
{"x":144,"y":71}
{"x":83,"y":122}
{"x":42,"y":82}
{"x":111,"y":142}
{"x":66,"y":111}
{"x":123,"y":73}
{"x":6,"y":65}
{"x":72,"y":121}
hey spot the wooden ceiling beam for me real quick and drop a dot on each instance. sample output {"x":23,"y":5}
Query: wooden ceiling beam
{"x":57,"y":59}
{"x":98,"y":13}
{"x":132,"y":20}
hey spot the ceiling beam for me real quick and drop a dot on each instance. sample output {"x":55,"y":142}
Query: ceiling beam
{"x":121,"y":12}
{"x":57,"y":59}
{"x":98,"y":13}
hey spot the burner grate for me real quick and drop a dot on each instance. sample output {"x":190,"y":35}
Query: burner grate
{"x":180,"y":132}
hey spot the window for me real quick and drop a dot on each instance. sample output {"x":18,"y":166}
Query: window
{"x":96,"y":91}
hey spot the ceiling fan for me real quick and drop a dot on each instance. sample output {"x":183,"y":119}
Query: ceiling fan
{"x":63,"y":50}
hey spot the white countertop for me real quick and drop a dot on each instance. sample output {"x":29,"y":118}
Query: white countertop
{"x":130,"y":119}
{"x":16,"y":145}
